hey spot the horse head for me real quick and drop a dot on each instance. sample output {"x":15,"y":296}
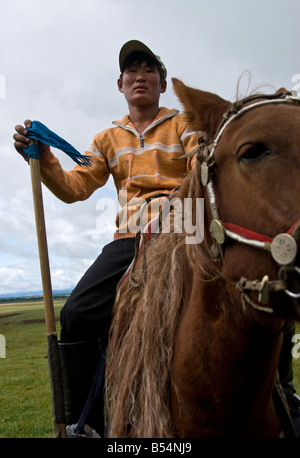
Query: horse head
{"x":252,"y":175}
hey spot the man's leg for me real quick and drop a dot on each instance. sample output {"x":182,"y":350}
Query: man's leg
{"x":86,"y":313}
{"x":85,"y":320}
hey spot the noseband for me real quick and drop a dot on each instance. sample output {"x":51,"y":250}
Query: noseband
{"x":283,"y":247}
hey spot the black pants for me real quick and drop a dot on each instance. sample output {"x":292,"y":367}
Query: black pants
{"x":86,"y":313}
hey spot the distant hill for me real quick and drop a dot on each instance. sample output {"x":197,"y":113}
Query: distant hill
{"x":34,"y":293}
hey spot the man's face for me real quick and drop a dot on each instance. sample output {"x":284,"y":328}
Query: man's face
{"x":141,"y":84}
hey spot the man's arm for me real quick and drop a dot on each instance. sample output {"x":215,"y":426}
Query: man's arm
{"x":69,"y":186}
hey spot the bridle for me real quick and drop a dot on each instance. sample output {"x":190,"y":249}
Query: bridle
{"x":283,"y":247}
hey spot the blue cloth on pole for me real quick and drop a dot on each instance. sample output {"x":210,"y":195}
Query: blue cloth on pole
{"x":33,"y":151}
{"x":39,"y":131}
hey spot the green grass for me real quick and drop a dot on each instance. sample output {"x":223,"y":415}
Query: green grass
{"x":25,"y":397}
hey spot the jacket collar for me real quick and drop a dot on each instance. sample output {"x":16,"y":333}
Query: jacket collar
{"x":162,"y":114}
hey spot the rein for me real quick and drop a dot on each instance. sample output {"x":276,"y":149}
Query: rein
{"x":283,"y":247}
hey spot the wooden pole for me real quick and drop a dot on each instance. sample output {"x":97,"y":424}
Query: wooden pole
{"x":42,"y":245}
{"x":59,"y":427}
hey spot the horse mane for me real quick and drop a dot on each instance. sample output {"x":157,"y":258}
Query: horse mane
{"x":140,"y":351}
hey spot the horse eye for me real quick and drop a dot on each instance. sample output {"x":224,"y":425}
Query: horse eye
{"x":253,"y":152}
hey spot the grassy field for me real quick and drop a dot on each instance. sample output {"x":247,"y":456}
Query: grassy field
{"x":25,"y":398}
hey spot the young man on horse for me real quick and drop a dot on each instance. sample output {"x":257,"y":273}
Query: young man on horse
{"x":139,"y":153}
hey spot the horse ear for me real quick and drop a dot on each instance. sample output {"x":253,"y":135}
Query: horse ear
{"x":204,"y":110}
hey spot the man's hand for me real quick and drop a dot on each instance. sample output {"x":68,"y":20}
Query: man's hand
{"x":22,"y":141}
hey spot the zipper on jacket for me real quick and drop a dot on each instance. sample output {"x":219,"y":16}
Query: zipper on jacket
{"x":141,"y":136}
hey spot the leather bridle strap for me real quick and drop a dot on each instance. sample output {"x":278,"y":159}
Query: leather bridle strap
{"x":248,"y":234}
{"x":283,"y":247}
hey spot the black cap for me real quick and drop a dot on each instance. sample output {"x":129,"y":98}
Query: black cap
{"x":134,"y":46}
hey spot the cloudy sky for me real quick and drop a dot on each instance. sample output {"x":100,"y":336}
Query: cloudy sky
{"x":59,"y":65}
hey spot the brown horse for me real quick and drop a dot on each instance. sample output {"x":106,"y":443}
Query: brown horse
{"x":194,"y":347}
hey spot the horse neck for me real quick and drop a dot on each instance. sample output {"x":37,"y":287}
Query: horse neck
{"x":234,"y":355}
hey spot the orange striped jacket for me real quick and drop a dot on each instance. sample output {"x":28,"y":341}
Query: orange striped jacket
{"x":141,"y":165}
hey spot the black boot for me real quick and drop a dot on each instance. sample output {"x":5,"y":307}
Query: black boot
{"x":285,"y":369}
{"x":79,"y":362}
